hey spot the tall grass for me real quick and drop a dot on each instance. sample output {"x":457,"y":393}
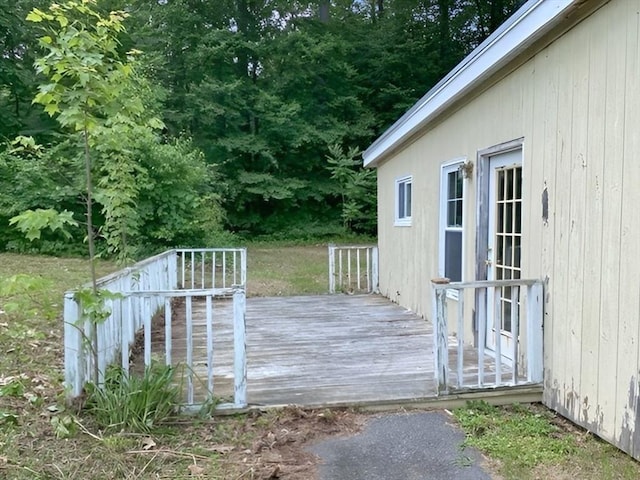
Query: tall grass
{"x":134,"y":402}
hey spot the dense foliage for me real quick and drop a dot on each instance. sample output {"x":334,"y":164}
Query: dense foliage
{"x":266,"y":106}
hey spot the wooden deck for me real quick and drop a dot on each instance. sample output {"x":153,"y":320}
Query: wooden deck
{"x":317,"y":350}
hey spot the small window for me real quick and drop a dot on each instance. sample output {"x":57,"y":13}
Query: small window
{"x":451,"y":223}
{"x":403,"y":201}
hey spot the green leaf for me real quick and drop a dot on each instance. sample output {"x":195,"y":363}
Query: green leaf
{"x":52,"y":109}
{"x":32,"y":222}
{"x":34,"y":16}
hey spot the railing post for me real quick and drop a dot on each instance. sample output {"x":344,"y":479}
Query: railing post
{"x":535,"y":312}
{"x":441,"y":335}
{"x":332,"y":268}
{"x":239,"y":348}
{"x":74,"y":351}
{"x":374,"y":270}
{"x":243,"y":268}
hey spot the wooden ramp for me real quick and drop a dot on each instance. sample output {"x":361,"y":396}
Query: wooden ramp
{"x":316,"y":350}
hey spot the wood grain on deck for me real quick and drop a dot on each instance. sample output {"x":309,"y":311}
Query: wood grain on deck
{"x":316,"y":350}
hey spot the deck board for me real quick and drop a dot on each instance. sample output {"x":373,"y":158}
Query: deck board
{"x":316,"y":350}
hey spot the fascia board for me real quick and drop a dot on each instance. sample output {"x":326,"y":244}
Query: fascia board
{"x":527,"y":25}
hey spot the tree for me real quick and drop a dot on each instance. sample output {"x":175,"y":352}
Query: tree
{"x":86,"y":90}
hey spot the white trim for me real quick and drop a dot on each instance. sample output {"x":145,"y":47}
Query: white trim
{"x":445,"y":169}
{"x":533,"y":20}
{"x":404,"y":221}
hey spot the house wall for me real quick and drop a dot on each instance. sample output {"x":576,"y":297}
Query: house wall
{"x":576,"y":103}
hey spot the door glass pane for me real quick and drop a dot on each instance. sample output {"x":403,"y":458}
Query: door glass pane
{"x":507,"y":238}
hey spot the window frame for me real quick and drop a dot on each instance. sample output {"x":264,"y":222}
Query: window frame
{"x":443,"y":227}
{"x":402,"y":182}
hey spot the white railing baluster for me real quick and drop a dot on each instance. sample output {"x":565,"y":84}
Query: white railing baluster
{"x":168,"y":333}
{"x":497,"y":328}
{"x":349,"y":287}
{"x":358,"y":266}
{"x":224,"y":269}
{"x":213,"y":271}
{"x":209,"y":320}
{"x":189,"y":339}
{"x":460,"y":337}
{"x":125,"y":305}
{"x":204,"y":261}
{"x":182,"y":260}
{"x":515,"y":331}
{"x":332,"y":269}
{"x":340,"y":277}
{"x":193,"y":269}
{"x":235,"y":268}
{"x":146,"y":309}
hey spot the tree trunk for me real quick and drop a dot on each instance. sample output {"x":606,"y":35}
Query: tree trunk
{"x":92,"y":250}
{"x":444,"y":35}
{"x":323,"y":12}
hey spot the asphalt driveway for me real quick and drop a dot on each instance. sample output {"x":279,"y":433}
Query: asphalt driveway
{"x":405,"y":446}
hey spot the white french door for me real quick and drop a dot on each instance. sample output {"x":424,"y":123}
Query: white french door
{"x":504,"y":245}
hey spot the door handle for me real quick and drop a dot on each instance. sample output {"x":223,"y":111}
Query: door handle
{"x":488,"y":262}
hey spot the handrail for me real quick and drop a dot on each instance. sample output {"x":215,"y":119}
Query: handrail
{"x":353,"y":268}
{"x":145,"y":289}
{"x":522,"y":360}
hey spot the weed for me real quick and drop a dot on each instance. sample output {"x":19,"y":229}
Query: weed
{"x":137,"y":403}
{"x":517,"y":436}
{"x":8,"y":419}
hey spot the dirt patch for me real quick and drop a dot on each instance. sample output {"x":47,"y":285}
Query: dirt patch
{"x":281,"y":438}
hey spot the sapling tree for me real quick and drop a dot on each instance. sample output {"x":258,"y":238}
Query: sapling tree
{"x":89,"y":90}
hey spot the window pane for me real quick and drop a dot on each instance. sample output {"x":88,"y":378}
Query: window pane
{"x":401,"y":194}
{"x":408,"y":199}
{"x":451,"y":187}
{"x":453,"y":256}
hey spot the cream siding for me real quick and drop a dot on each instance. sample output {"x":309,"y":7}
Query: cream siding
{"x":576,"y":103}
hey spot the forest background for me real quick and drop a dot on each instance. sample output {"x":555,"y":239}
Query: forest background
{"x":262,"y":108}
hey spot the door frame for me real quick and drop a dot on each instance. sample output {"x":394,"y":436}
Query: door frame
{"x":482,"y":221}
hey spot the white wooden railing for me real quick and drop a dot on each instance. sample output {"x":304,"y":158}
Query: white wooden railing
{"x":353,"y":269}
{"x":143,"y":291}
{"x":212,"y":267}
{"x":522,"y":363}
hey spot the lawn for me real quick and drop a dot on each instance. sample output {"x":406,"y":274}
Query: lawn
{"x":41,"y":438}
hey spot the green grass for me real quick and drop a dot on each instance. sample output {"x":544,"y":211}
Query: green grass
{"x":531,"y":442}
{"x":274,"y":270}
{"x":40,"y":438}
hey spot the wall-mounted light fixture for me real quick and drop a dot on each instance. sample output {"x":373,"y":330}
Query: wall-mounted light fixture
{"x":467,"y":169}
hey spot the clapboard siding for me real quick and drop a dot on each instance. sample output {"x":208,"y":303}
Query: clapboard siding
{"x":576,"y":103}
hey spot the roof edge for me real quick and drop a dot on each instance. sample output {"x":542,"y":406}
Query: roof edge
{"x":519,"y":31}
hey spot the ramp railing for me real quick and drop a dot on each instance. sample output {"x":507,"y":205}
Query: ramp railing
{"x":145,"y":302}
{"x":353,"y":269}
{"x":497,"y":327}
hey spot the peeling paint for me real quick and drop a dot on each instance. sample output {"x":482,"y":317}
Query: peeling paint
{"x":545,"y":205}
{"x":629,"y":439}
{"x":593,"y":423}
